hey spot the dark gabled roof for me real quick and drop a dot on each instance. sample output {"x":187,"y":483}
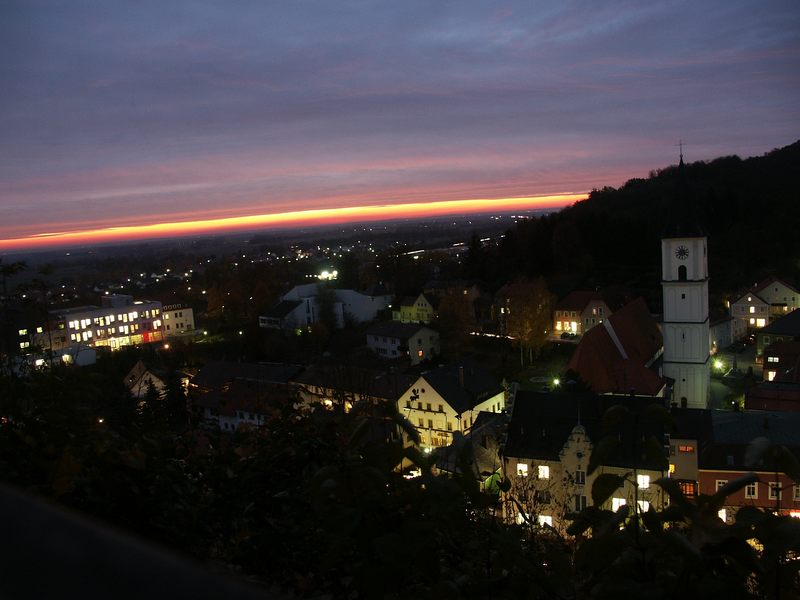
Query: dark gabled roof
{"x":217,"y":373}
{"x":608,"y":367}
{"x":741,"y":295}
{"x":765,"y":283}
{"x":282,"y":308}
{"x":368,"y":382}
{"x":578,"y":300}
{"x":786,"y":325}
{"x":395,"y":329}
{"x":542,"y":423}
{"x":734,"y":431}
{"x":463,"y":385}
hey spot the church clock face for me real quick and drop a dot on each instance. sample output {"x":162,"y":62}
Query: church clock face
{"x":682,"y":253}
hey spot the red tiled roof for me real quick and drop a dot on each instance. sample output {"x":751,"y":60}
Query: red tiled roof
{"x":608,"y":367}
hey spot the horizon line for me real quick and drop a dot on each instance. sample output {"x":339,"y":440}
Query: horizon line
{"x":316,"y":216}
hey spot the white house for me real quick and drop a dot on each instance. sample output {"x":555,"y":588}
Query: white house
{"x":178,"y":320}
{"x":392,"y":339}
{"x":448,"y":399}
{"x":300,"y":307}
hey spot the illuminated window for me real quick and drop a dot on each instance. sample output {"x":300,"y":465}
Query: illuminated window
{"x":686,"y":449}
{"x":544,"y":472}
{"x":720,"y":483}
{"x":643,"y":481}
{"x":617,"y":503}
{"x":761,"y":322}
{"x":752,"y":321}
{"x":723,"y":515}
{"x":545,"y":520}
{"x":771,"y":375}
{"x":751,"y":490}
{"x":644,"y":506}
{"x":752,"y":310}
{"x":23,"y":332}
{"x":522,"y":469}
{"x":23,"y":345}
{"x":38,"y":330}
{"x":558,"y":324}
{"x":773,"y":359}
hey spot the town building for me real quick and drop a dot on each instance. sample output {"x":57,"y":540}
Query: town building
{"x":394,"y":340}
{"x":416,"y":309}
{"x":745,"y":442}
{"x":578,"y":312}
{"x":780,"y":389}
{"x":623,"y":355}
{"x":685,"y":328}
{"x":762,"y":304}
{"x":300,"y":307}
{"x":141,"y":378}
{"x":785,"y":329}
{"x":178,"y":320}
{"x":230,"y":395}
{"x":550,"y":439}
{"x":448,"y":399}
{"x":335,"y":385}
{"x":118,"y":321}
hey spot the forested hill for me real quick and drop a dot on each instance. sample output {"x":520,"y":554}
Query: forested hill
{"x":750,"y":209}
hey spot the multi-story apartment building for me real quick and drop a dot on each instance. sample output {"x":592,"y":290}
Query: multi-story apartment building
{"x":118,"y":321}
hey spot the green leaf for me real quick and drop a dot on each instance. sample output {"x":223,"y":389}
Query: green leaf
{"x":654,"y":453}
{"x":601,"y":452}
{"x":732,"y":487}
{"x":787,"y":462}
{"x":672,"y":488}
{"x":604,"y":485}
{"x":614,"y":417}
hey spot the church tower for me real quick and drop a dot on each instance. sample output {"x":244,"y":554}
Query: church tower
{"x":684,"y":283}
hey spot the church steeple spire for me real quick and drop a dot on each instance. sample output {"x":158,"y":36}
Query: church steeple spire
{"x":680,"y":145}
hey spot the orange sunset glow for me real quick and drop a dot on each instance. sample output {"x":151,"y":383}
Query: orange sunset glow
{"x":287,"y":219}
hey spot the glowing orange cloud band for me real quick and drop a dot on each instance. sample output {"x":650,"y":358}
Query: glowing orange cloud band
{"x":285,"y":219}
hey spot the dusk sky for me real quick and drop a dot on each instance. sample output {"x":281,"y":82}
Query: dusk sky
{"x":141,"y":113}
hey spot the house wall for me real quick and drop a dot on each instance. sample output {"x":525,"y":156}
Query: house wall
{"x":359,"y":307}
{"x":788,"y":503}
{"x":567,"y":486}
{"x":178,"y":321}
{"x":749,"y":312}
{"x":434,"y":419}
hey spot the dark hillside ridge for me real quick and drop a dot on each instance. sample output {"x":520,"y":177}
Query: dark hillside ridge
{"x":749,"y":208}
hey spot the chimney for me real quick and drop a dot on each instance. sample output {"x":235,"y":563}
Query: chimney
{"x":461,"y":376}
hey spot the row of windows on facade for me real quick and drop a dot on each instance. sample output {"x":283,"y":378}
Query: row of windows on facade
{"x":775,"y":490}
{"x":579,"y":477}
{"x":177,"y":326}
{"x":109,"y":319}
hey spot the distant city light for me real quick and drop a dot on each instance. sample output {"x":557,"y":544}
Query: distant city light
{"x":556,"y":382}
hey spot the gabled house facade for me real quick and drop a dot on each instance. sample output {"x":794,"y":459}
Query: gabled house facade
{"x":299,"y":308}
{"x":578,"y":312}
{"x":448,"y":399}
{"x":546,"y":458}
{"x":416,"y":309}
{"x":394,"y":340}
{"x":749,"y":311}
